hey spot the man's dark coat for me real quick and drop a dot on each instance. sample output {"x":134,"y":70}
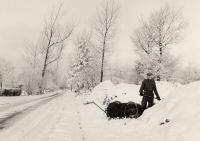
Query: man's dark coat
{"x":148,"y":86}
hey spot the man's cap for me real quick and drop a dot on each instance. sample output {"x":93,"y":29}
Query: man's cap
{"x":149,"y":74}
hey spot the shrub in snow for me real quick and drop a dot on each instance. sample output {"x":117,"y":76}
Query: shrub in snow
{"x":50,"y":86}
{"x":98,"y":93}
{"x":30,"y":79}
{"x":24,"y":93}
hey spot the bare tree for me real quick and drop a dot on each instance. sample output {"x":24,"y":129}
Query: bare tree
{"x":165,"y":27}
{"x":5,"y":70}
{"x":54,"y":37}
{"x":104,"y":26}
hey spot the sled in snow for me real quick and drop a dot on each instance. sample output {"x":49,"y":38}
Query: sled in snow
{"x":122,"y":110}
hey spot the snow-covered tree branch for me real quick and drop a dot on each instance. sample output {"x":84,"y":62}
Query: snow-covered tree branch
{"x":165,"y":27}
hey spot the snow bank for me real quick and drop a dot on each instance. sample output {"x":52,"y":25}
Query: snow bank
{"x":107,"y":92}
{"x":175,"y":118}
{"x":124,"y":93}
{"x":103,"y":86}
{"x":98,"y":93}
{"x":181,"y":110}
{"x":165,"y":88}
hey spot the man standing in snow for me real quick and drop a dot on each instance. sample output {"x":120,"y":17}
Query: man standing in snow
{"x":146,"y":90}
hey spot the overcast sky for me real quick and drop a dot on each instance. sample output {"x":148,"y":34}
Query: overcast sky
{"x":23,"y":20}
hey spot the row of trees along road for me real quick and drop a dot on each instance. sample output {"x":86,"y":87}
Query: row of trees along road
{"x":153,"y":38}
{"x":152,"y":41}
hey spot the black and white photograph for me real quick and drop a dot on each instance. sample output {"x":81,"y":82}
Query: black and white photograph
{"x":99,"y":70}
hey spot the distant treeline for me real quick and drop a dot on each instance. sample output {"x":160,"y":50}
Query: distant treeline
{"x":10,"y":91}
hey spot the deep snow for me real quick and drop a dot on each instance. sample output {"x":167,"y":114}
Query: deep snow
{"x":107,"y":92}
{"x":174,"y":118}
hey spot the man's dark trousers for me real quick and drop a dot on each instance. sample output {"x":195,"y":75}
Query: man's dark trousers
{"x":146,"y":99}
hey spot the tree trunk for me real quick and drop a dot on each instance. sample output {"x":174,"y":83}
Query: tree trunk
{"x":1,"y":79}
{"x":160,"y":54}
{"x":160,"y":61}
{"x":43,"y":74}
{"x":101,"y":72}
{"x":45,"y":66}
{"x":102,"y":63}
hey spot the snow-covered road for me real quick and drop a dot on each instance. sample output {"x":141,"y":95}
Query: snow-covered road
{"x":54,"y":120}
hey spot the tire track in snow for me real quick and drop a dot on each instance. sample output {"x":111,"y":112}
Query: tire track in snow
{"x":57,"y":120}
{"x":9,"y":106}
{"x":27,"y":124}
{"x":15,"y":115}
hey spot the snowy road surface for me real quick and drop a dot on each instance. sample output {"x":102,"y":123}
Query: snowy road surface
{"x":51,"y":118}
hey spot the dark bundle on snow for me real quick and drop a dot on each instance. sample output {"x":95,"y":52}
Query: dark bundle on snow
{"x":124,"y":110}
{"x":10,"y":92}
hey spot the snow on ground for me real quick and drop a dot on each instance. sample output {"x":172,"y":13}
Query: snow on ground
{"x":175,"y":118}
{"x":99,"y":93}
{"x":56,"y":120}
{"x":66,"y":118}
{"x":182,"y":109}
{"x":165,"y":88}
{"x":13,"y":99}
{"x":107,"y":92}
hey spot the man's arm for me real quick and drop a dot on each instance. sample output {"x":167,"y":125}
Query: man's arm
{"x":155,"y":90}
{"x":142,"y":87}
